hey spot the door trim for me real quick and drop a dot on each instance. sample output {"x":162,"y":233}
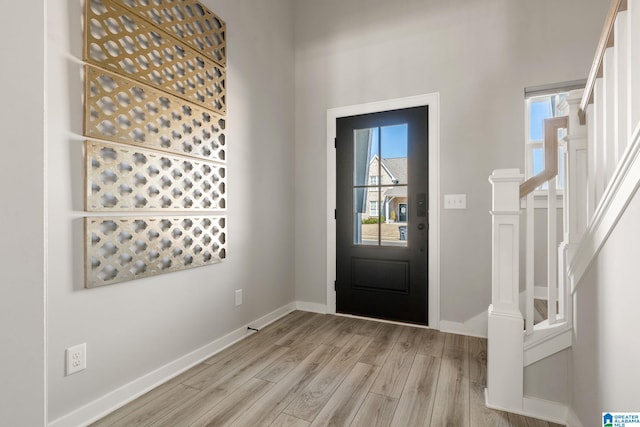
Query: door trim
{"x":431,"y":100}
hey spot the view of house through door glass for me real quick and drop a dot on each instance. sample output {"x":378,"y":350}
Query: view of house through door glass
{"x":380,"y":186}
{"x":381,"y":215}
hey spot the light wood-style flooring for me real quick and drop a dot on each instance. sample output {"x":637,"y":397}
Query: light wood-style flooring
{"x":310,"y":369}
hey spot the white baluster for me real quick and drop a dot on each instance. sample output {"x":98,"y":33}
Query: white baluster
{"x":552,"y":252}
{"x":598,"y":164}
{"x":609,"y":142}
{"x":592,"y":201}
{"x":633,"y":65}
{"x":529,"y":263}
{"x":621,"y":86}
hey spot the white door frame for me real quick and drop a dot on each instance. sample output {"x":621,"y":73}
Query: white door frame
{"x":431,"y":100}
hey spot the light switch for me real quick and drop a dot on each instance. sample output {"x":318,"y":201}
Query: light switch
{"x":455,"y":201}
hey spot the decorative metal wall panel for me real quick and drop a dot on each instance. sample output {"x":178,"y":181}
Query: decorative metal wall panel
{"x":187,"y":20}
{"x":122,"y":41}
{"x":119,"y":249}
{"x":121,"y":177}
{"x":121,"y":110}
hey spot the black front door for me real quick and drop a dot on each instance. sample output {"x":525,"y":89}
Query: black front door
{"x":381,"y":217}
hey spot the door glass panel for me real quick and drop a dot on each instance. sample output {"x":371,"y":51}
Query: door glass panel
{"x":363,"y":152}
{"x":393,"y":231}
{"x":366,"y":216}
{"x":393,"y":146}
{"x":380,"y":177}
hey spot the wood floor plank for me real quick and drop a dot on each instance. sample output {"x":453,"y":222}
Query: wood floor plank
{"x":368,"y":328}
{"x":346,"y":400}
{"x":376,"y":411}
{"x":269,"y":406}
{"x":517,"y":420}
{"x":478,"y":361}
{"x":326,"y":333}
{"x":432,"y":343}
{"x":416,"y":402}
{"x":316,"y":394}
{"x":395,"y":369}
{"x":233,"y":405}
{"x":312,"y":322}
{"x":451,"y":406}
{"x":148,"y":398}
{"x":532,"y":422}
{"x":345,"y":332}
{"x":480,"y":415}
{"x":214,"y":393}
{"x":382,"y":344}
{"x":220,"y":370}
{"x":281,"y":367}
{"x":286,"y":420}
{"x":266,"y":336}
{"x":158,"y":407}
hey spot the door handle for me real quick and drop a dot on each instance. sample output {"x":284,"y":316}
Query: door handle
{"x":421,"y":226}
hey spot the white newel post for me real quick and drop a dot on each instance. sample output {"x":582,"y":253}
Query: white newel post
{"x":506,"y":327}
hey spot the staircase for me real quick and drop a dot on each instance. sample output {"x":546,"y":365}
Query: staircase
{"x":599,"y":148}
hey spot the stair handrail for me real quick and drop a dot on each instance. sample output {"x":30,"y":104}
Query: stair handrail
{"x":550,"y":171}
{"x":606,"y":40}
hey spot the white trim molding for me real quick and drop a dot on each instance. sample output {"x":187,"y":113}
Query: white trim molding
{"x":431,"y":100}
{"x":108,"y":403}
{"x":573,"y":420}
{"x":312,"y":307}
{"x":477,"y":326}
{"x":614,"y":202}
{"x":538,"y":408}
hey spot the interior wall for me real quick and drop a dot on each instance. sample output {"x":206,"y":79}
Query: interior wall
{"x":605,"y":352}
{"x":549,"y":378}
{"x":22,"y":213}
{"x":135,"y":327}
{"x":479,"y":55}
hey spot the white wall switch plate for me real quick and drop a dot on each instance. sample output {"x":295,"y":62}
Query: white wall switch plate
{"x":238,"y":297}
{"x":455,"y":201}
{"x":76,"y":357}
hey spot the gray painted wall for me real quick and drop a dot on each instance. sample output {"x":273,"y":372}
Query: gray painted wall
{"x":479,"y":55}
{"x":135,"y":327}
{"x":605,"y":353}
{"x":22,"y":210}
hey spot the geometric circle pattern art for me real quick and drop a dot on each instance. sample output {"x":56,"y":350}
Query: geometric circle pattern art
{"x":121,"y":110}
{"x":120,"y":249}
{"x":188,"y":21}
{"x":122,"y":41}
{"x":121,"y":177}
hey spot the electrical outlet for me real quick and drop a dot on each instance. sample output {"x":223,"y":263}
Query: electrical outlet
{"x":455,"y":201}
{"x":76,"y":358}
{"x":238,"y":297}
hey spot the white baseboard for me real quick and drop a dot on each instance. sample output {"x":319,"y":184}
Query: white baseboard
{"x":128,"y":392}
{"x":538,"y":408}
{"x":477,"y":326}
{"x":545,"y":410}
{"x":312,"y":307}
{"x":573,"y":420}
